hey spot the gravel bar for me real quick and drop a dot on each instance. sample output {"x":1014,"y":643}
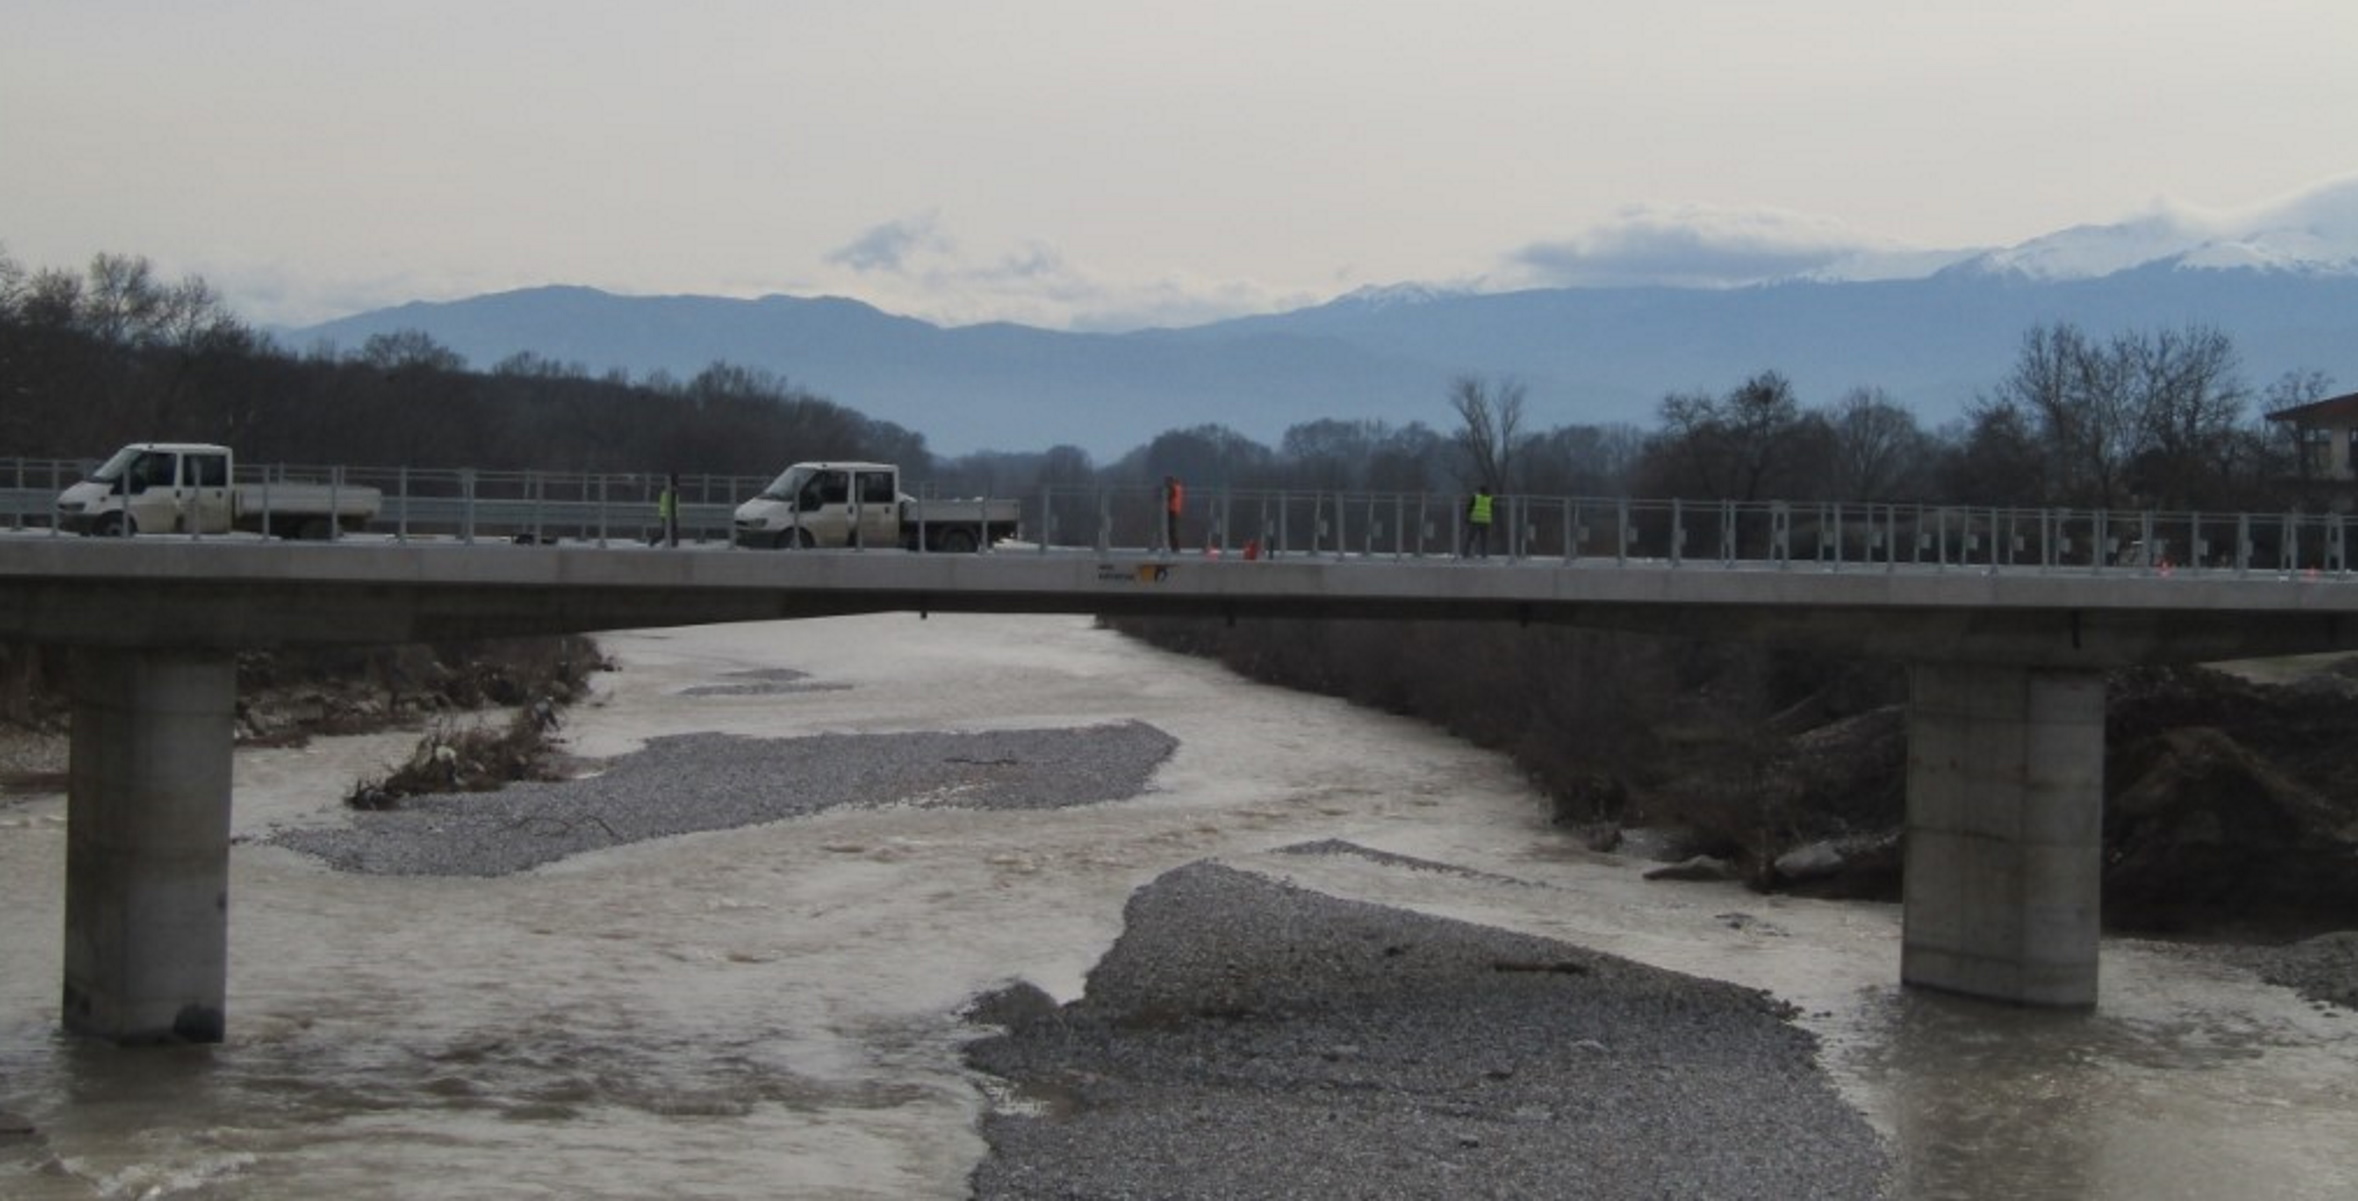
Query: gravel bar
{"x":1245,"y":1038}
{"x":685,"y":784}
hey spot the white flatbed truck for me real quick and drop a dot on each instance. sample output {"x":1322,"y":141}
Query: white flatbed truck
{"x":188,"y":488}
{"x":823,"y":505}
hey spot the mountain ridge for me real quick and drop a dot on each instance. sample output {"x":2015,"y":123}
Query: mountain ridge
{"x":2282,"y":281}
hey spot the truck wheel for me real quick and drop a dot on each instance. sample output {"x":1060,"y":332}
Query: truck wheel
{"x":957,"y":542}
{"x":110,"y":526}
{"x":314,"y":530}
{"x":793,"y":540}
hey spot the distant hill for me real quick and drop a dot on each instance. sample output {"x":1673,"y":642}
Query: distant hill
{"x":2284,"y":286}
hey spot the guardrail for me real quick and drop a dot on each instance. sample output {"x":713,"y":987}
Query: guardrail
{"x":510,"y":506}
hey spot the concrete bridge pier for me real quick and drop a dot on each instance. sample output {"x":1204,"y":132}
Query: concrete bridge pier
{"x":2004,"y":832}
{"x":147,"y":845}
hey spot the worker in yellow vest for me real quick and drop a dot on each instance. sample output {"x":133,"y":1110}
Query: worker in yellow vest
{"x":667,"y":512}
{"x":1478,"y":516}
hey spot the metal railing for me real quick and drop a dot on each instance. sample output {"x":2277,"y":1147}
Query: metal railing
{"x":1263,"y":524}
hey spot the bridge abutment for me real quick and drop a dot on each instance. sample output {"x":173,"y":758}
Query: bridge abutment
{"x":147,"y":845}
{"x":2005,"y":813}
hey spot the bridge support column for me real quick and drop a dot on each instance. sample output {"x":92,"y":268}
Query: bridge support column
{"x":2004,"y":833}
{"x":147,"y":845}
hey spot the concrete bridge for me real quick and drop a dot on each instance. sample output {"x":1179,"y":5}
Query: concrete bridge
{"x":2005,"y":734}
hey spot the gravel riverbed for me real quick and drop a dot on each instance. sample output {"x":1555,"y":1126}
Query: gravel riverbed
{"x":685,"y":784}
{"x":1244,"y":1037}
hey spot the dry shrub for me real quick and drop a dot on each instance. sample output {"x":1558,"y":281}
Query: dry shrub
{"x":477,"y":758}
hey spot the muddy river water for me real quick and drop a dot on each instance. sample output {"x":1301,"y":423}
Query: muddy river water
{"x":772,"y":1011}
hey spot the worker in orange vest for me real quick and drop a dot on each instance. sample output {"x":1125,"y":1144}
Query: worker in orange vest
{"x":1174,"y":498}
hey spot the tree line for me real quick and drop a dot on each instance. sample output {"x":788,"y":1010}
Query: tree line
{"x":2158,"y":419}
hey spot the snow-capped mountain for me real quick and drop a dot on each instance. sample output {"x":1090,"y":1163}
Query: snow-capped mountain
{"x":2313,"y":233}
{"x":1373,"y":297}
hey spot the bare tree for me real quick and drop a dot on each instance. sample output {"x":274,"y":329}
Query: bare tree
{"x":1490,"y":426}
{"x":1731,"y":448}
{"x":2304,"y":443}
{"x":2189,"y":407}
{"x":2149,"y":418}
{"x":1876,"y":451}
{"x":412,"y":350}
{"x":1412,"y":458}
{"x":1331,"y":455}
{"x":121,"y":304}
{"x":1582,"y":460}
{"x":14,"y":280}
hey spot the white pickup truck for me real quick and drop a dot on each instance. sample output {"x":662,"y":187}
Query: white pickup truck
{"x":862,"y":505}
{"x":186,"y":488}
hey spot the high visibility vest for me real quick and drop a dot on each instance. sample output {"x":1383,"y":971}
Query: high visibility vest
{"x":1479,"y":511}
{"x":1178,"y":496}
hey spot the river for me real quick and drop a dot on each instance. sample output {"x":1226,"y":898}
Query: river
{"x":771,"y":1012}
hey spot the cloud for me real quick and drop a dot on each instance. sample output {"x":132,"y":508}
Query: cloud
{"x":913,"y":267}
{"x":1691,"y":247}
{"x":892,"y":246}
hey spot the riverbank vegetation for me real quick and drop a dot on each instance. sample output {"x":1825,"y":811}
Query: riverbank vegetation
{"x":2229,"y":805}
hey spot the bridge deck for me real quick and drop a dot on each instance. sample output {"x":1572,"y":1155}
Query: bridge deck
{"x":226,"y":593}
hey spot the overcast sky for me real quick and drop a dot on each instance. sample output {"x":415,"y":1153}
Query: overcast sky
{"x":1104,"y":164}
